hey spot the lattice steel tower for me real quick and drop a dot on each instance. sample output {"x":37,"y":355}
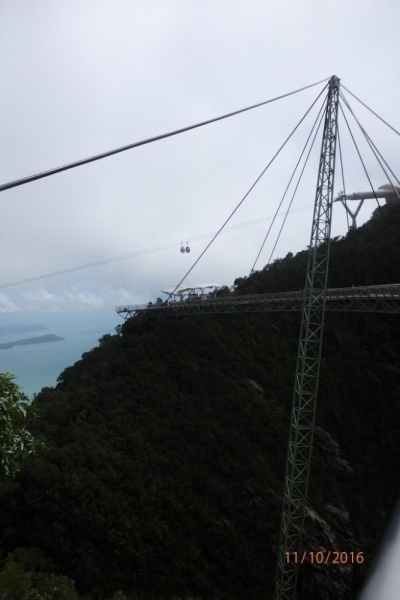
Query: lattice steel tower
{"x":308,"y":360}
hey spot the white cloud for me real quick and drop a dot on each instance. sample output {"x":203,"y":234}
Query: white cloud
{"x":119,"y":295}
{"x":6,"y":306}
{"x":44,"y":301}
{"x":69,"y":300}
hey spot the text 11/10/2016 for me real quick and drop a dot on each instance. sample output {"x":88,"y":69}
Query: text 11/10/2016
{"x":324,"y":558}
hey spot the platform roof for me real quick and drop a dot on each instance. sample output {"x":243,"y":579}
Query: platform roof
{"x":184,"y":289}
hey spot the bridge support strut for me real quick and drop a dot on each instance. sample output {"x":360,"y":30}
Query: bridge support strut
{"x":308,"y":362}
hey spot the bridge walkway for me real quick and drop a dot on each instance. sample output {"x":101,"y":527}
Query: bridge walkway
{"x":371,"y":299}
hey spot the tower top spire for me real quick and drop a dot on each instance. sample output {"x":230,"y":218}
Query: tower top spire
{"x":334,"y":81}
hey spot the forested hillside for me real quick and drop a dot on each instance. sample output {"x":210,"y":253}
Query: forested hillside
{"x":165,"y":450}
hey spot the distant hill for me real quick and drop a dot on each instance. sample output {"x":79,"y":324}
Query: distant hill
{"x":43,"y":339}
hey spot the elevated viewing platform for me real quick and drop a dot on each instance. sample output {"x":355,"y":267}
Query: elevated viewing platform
{"x":371,"y":299}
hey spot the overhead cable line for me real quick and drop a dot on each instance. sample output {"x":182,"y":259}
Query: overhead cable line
{"x":370,"y":183}
{"x":290,"y":181}
{"x":248,"y":192}
{"x":370,"y":109}
{"x":85,"y":161}
{"x":373,"y":147}
{"x":347,"y":214}
{"x":147,"y":250}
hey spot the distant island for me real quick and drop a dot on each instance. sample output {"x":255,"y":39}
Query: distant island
{"x":20,"y":328}
{"x":43,"y":339}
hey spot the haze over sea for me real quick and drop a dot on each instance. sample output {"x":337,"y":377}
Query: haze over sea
{"x":38,"y":365}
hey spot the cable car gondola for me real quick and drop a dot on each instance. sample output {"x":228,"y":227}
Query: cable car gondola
{"x":183,"y":249}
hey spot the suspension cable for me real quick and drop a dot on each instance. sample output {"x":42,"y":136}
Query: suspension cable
{"x":293,"y":196}
{"x":288,"y":185}
{"x":248,"y":192}
{"x":370,"y":183}
{"x":253,"y":285}
{"x":369,"y":140}
{"x":295,"y":190}
{"x":370,"y":109}
{"x":85,"y":161}
{"x":373,"y":147}
{"x":347,"y":214}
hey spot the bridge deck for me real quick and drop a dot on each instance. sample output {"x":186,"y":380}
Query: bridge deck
{"x":372,"y":299}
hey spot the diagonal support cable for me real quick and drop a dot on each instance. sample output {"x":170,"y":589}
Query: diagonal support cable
{"x":373,"y":147}
{"x":248,"y":192}
{"x":295,"y":191}
{"x":370,"y":109}
{"x":85,"y":161}
{"x":290,"y":181}
{"x":370,"y":182}
{"x":345,"y":205}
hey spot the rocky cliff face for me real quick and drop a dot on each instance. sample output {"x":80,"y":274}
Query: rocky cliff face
{"x":328,"y":530}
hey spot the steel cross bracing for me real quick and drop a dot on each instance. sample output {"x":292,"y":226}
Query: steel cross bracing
{"x":372,"y":299}
{"x":308,"y":360}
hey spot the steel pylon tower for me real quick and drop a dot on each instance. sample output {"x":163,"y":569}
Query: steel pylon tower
{"x":308,"y":362}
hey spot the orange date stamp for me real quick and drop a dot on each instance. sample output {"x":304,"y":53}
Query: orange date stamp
{"x":325,"y":558}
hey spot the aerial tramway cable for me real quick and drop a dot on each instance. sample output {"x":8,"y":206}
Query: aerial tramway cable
{"x":146,"y":251}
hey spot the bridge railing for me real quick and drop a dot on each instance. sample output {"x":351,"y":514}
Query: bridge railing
{"x":373,"y":291}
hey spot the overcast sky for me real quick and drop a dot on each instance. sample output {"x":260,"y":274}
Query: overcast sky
{"x":83,"y":77}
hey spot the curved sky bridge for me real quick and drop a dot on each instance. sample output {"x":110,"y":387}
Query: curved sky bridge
{"x":371,"y":299}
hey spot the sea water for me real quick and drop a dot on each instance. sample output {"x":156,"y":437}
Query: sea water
{"x":38,"y":365}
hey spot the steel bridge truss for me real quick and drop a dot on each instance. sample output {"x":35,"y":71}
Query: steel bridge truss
{"x":373,"y":299}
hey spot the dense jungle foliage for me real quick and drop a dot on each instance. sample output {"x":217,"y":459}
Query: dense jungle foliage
{"x":161,"y":470}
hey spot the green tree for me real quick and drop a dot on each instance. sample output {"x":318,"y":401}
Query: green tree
{"x":15,"y":584}
{"x":16,"y":443}
{"x":54,"y":587}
